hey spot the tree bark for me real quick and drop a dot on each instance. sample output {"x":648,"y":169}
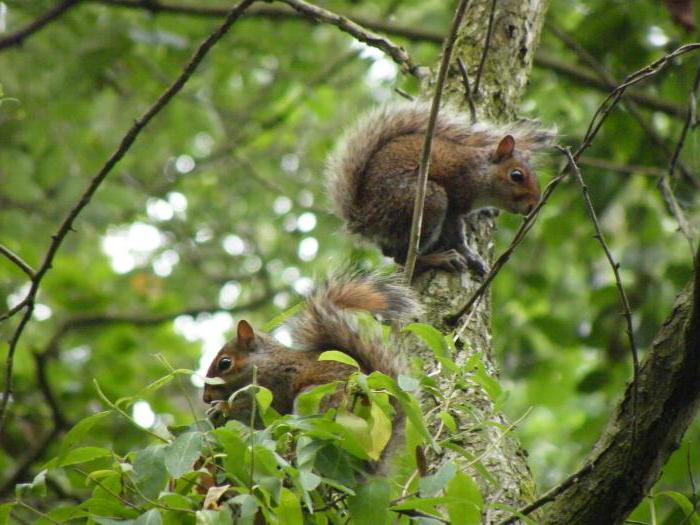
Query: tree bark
{"x":623,"y":467}
{"x":481,"y":428}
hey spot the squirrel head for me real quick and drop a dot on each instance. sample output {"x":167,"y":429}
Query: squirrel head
{"x":232,"y":364}
{"x":514,"y":184}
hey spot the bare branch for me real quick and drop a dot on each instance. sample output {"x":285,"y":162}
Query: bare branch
{"x":467,"y":90}
{"x":487,"y":45}
{"x":424,"y":166}
{"x":12,"y":256}
{"x":625,"y":169}
{"x":125,"y":144}
{"x":627,"y":311}
{"x":397,"y":53}
{"x":16,"y":38}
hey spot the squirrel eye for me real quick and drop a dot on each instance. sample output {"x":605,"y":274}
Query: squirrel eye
{"x":517,"y":176}
{"x":224,"y":364}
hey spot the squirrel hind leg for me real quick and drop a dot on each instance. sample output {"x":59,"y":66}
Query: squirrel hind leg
{"x":453,"y":238}
{"x":450,"y":260}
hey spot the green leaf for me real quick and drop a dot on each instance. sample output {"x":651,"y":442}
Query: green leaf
{"x":63,"y":514}
{"x":289,"y":509}
{"x":356,"y":427}
{"x":281,"y":318}
{"x":5,"y":509}
{"x":448,"y":421}
{"x":684,"y":503}
{"x":309,"y":402}
{"x":380,"y":431}
{"x":78,"y":433}
{"x":181,"y":454}
{"x":215,"y":517}
{"x":84,"y":454}
{"x":370,"y":506}
{"x":150,"y":473}
{"x":152,"y":517}
{"x":431,"y":336}
{"x":482,"y":377}
{"x":263,"y":398}
{"x":340,"y":357}
{"x":309,"y":481}
{"x":247,"y":503}
{"x":464,"y":500}
{"x":408,"y":383}
{"x":431,"y":485}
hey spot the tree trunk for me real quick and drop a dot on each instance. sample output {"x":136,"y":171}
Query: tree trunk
{"x":516,"y":30}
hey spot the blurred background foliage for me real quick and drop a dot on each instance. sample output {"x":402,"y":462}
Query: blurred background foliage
{"x":218,"y":211}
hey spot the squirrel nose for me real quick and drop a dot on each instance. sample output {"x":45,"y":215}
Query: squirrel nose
{"x":206,"y":397}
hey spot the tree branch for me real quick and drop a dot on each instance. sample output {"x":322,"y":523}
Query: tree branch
{"x":17,"y":260}
{"x":125,"y":144}
{"x":396,"y":52}
{"x":669,"y":390}
{"x":16,"y":38}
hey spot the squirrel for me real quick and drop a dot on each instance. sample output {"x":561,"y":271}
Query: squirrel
{"x":371,"y":178}
{"x":325,"y":323}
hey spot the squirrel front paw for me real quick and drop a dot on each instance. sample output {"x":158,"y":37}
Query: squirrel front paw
{"x":475,"y":262}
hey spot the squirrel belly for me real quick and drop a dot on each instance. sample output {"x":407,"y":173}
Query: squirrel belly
{"x":326,"y":323}
{"x":371,"y":178}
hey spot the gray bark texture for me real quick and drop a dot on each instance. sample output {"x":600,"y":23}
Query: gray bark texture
{"x":493,"y":457}
{"x":623,"y":467}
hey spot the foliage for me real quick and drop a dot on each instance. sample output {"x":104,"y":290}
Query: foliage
{"x":219,"y":211}
{"x":291,"y":469}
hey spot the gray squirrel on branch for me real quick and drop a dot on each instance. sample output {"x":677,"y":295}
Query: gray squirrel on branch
{"x":371,"y":177}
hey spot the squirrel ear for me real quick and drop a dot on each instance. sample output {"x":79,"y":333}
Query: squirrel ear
{"x":245,"y":334}
{"x":505,"y":148}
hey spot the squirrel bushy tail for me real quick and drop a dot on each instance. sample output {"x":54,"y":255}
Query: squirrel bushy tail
{"x":327,"y":323}
{"x":347,"y":164}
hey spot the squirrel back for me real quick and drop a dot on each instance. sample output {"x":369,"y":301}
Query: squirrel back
{"x":348,"y":162}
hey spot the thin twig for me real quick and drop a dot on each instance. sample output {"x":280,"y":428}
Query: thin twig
{"x":551,"y":494}
{"x":487,"y":45}
{"x":666,"y":192}
{"x":396,"y":52}
{"x":467,"y":90}
{"x":252,"y":426}
{"x":16,"y":38}
{"x":627,"y":311}
{"x":125,"y":144}
{"x":422,"y":178}
{"x":663,"y":183}
{"x":625,"y":169}
{"x":12,"y":256}
{"x":12,"y":311}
